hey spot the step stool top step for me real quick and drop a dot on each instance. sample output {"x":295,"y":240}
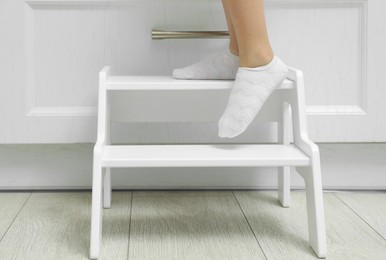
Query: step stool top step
{"x":203,"y":155}
{"x":162,"y":82}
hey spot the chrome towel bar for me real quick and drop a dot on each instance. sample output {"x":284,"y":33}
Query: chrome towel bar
{"x":160,"y":34}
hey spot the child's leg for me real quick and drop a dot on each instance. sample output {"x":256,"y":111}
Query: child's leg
{"x":260,"y":71}
{"x":248,"y":21}
{"x":233,"y":46}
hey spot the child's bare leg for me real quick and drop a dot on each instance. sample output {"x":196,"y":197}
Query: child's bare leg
{"x":248,"y":20}
{"x":233,"y":46}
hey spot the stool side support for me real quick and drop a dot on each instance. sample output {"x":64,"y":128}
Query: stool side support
{"x":312,"y":173}
{"x":104,"y":129}
{"x":102,"y":103}
{"x":98,"y":171}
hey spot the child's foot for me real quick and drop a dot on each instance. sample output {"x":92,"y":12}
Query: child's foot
{"x":251,"y":89}
{"x":222,"y":65}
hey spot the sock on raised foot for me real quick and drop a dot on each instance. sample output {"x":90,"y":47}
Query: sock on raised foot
{"x":222,"y":65}
{"x":251,"y":89}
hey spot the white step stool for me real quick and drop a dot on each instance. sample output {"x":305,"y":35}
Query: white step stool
{"x":187,"y":104}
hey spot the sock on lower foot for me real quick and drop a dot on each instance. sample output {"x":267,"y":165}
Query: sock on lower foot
{"x":251,"y":89}
{"x":222,"y":65}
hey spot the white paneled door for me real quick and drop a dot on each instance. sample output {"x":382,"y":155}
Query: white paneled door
{"x":52,"y":50}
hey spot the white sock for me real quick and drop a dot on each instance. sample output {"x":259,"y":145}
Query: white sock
{"x":251,"y":89}
{"x":221,"y":65}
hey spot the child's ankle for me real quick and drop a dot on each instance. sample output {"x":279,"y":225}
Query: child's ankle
{"x":256,"y":60}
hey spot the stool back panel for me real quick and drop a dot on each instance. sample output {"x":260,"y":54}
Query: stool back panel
{"x":181,"y":106}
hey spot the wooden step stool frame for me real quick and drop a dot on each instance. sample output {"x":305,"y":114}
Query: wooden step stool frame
{"x":292,"y":99}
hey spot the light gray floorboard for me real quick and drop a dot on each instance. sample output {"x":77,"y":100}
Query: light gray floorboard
{"x":56,"y":225}
{"x":283,"y":232}
{"x":370,"y":206}
{"x":190,"y":227}
{"x":10,"y":205}
{"x":116,"y":225}
{"x":179,"y":193}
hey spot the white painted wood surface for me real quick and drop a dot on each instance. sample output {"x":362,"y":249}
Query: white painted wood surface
{"x":51,"y":52}
{"x":152,"y":82}
{"x":203,"y":155}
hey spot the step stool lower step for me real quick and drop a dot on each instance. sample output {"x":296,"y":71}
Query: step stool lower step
{"x":203,"y":155}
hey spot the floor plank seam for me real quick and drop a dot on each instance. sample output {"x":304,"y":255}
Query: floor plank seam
{"x":359,"y":216}
{"x":131,"y":210}
{"x":15,"y":217}
{"x":246,"y":219}
{"x":182,"y":195}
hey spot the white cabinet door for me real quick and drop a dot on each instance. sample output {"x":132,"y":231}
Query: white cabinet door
{"x":51,"y":52}
{"x":339,"y":46}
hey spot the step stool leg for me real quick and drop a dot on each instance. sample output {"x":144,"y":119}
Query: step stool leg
{"x":284,"y":173}
{"x":107,"y":189}
{"x":315,"y":208}
{"x":96,"y":212}
{"x":284,"y":185}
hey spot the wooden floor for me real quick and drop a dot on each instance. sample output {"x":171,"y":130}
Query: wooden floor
{"x":190,"y":225}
